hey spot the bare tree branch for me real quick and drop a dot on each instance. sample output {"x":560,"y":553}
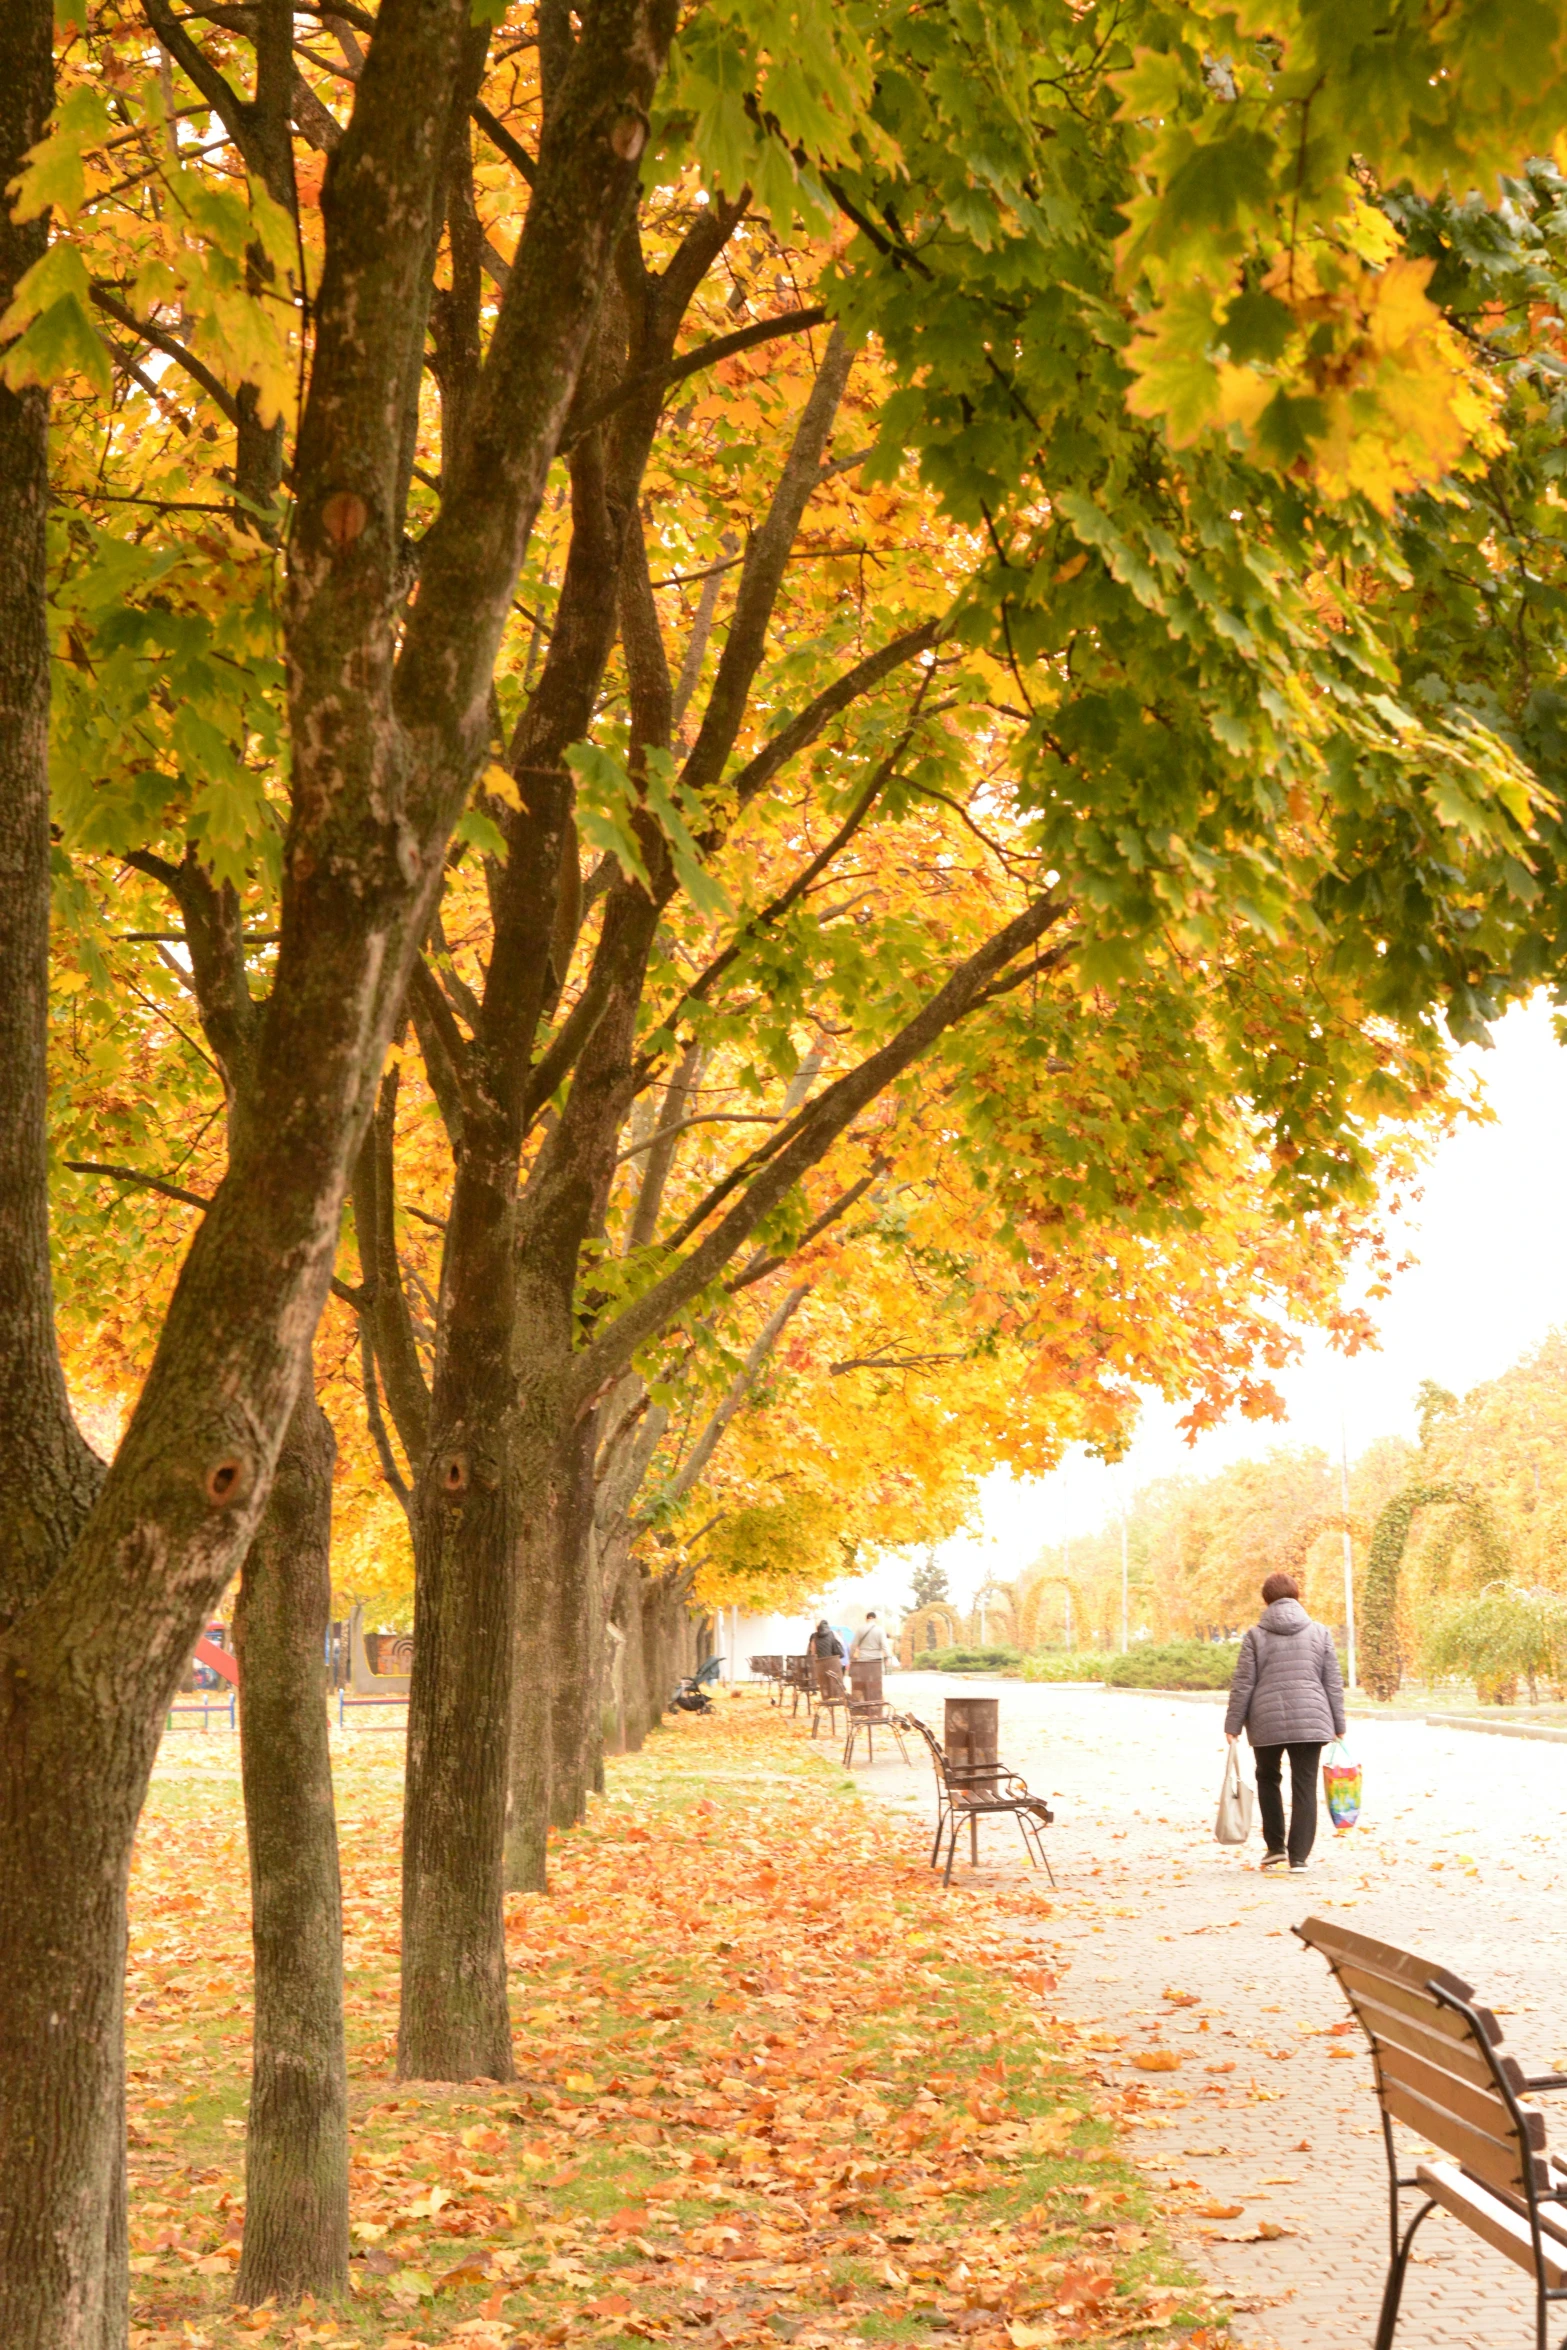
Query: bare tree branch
{"x":745,"y":338}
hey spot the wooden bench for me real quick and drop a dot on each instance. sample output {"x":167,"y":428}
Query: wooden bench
{"x":981,"y":1790}
{"x":1441,"y":2073}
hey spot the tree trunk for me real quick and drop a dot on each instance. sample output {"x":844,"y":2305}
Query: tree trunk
{"x":530,"y":1767}
{"x":470,"y":1516}
{"x":296,"y":2148}
{"x":627,"y":1609}
{"x":455,"y":2023}
{"x":663,"y":1653}
{"x":574,"y":1684}
{"x":73,"y":1773}
{"x":550,"y":1655}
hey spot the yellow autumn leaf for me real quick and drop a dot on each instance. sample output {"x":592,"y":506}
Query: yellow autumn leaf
{"x":500,"y":785}
{"x":1397,"y":309}
{"x":1243,"y":395}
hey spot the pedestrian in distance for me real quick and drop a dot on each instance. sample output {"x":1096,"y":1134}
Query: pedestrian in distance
{"x":825,"y":1644}
{"x":869,"y":1645}
{"x":1287,"y":1696}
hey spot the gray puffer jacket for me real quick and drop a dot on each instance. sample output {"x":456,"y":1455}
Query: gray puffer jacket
{"x":1286,"y":1690}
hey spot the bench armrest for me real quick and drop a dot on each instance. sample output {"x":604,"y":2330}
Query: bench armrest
{"x":1548,"y":2081}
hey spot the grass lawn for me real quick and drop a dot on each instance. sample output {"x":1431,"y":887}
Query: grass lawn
{"x":773,"y":2085}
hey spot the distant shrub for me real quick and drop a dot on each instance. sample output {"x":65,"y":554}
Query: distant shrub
{"x":1177,"y":1664}
{"x":969,"y":1660}
{"x":1086,"y":1664}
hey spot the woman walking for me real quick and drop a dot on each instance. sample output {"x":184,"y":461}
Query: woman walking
{"x":1288,"y":1698}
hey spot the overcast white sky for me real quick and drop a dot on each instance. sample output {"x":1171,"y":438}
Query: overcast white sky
{"x":1491,"y":1238}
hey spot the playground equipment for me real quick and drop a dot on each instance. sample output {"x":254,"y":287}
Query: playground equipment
{"x":218,"y":1660}
{"x":368,"y":1685}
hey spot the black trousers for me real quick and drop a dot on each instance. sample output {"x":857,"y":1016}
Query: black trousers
{"x":1303,"y":1798}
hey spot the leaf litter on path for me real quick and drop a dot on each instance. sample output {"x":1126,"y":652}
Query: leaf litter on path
{"x":773,"y":2085}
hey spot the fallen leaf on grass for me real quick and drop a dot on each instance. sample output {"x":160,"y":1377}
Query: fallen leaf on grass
{"x":467,"y":2272}
{"x":1083,"y":2288}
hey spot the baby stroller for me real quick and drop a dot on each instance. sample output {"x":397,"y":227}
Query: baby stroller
{"x":691,"y":1694}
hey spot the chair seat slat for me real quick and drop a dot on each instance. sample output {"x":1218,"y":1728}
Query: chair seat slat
{"x":1502,"y":2227}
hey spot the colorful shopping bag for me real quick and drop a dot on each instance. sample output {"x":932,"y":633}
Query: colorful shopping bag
{"x":1341,"y":1784}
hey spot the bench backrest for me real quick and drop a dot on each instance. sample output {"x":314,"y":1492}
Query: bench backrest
{"x":938,"y":1759}
{"x":1440,"y":2068}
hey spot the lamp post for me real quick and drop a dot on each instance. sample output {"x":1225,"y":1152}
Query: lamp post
{"x":1349,"y":1555}
{"x":1120,"y":1494}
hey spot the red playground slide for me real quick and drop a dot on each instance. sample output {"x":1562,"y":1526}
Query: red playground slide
{"x":218,"y":1658}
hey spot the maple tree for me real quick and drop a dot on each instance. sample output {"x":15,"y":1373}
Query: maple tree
{"x":113,"y":1578}
{"x":1234,"y":854}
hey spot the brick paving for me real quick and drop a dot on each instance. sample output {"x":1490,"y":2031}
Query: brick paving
{"x":1461,"y":1856}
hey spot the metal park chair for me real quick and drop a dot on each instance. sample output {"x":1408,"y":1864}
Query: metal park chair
{"x":982,"y":1790}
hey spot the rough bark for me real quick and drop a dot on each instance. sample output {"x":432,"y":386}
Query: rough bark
{"x":626,"y":1607}
{"x":296,"y":2147}
{"x":454,"y":2017}
{"x":530,"y":1767}
{"x":579,"y":1634}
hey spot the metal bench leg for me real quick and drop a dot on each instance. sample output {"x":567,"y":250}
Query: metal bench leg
{"x":1394,"y":2290}
{"x":952,"y":1846}
{"x":1033,"y":1834}
{"x":941,"y":1821}
{"x":973,"y":1839}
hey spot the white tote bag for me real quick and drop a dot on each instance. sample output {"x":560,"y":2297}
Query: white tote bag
{"x":1233,"y":1824}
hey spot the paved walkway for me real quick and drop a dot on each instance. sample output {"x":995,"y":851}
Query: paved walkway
{"x":1461,"y":1856}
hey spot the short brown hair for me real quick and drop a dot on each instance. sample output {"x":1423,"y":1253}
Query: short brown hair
{"x":1280,"y":1587}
